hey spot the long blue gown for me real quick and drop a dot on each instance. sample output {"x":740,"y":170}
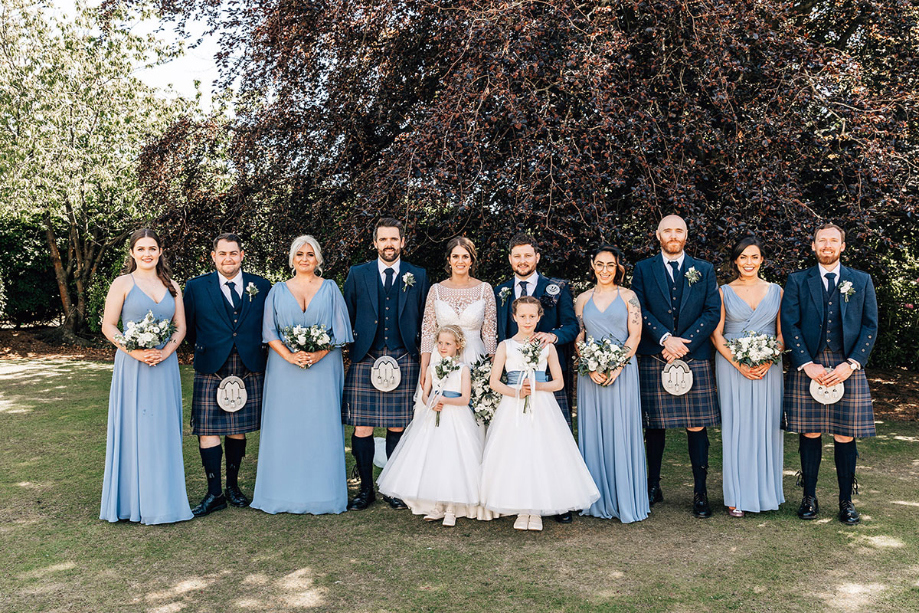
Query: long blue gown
{"x":609,"y":425}
{"x":144,"y":471}
{"x":751,"y":412}
{"x":301,"y":458}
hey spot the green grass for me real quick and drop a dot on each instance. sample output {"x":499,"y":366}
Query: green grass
{"x":58,"y":556}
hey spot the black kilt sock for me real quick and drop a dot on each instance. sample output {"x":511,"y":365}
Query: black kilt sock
{"x":846,"y":455}
{"x":698,"y":456}
{"x":392,"y":439}
{"x":236,"y":449}
{"x":362,"y":449}
{"x":811,"y":450}
{"x":655,"y":438}
{"x":210,"y":459}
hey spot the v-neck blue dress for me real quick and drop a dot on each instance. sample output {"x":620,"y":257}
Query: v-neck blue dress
{"x":301,"y":458}
{"x":751,"y":412}
{"x":144,"y":471}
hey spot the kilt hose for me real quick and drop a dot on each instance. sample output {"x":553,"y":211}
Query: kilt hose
{"x":697,"y":408}
{"x":208,"y":419}
{"x":853,"y":415}
{"x":364,"y":405}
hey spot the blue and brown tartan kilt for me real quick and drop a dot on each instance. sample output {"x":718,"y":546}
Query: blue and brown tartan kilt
{"x":208,"y":419}
{"x":364,"y":405}
{"x":561,"y":397}
{"x":853,"y":415}
{"x":697,"y":408}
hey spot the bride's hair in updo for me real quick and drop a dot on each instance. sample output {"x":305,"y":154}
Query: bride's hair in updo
{"x":457,"y":333}
{"x":465,"y":243}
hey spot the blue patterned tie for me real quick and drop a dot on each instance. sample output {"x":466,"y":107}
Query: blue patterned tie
{"x":523,"y":288}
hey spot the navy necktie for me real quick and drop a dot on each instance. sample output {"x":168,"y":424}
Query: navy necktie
{"x":233,"y":295}
{"x":676,"y":269}
{"x":389,"y":272}
{"x":523,"y":288}
{"x":830,"y":283}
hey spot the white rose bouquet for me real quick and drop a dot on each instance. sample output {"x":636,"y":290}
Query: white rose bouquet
{"x":602,"y":356}
{"x":483,"y":400}
{"x":309,"y":339}
{"x":754,"y":349}
{"x":148,"y":333}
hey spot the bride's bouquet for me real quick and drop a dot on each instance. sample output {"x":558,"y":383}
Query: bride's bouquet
{"x":309,"y":339}
{"x":531,"y":351}
{"x":755,"y":349}
{"x":483,"y":400}
{"x":148,"y":333}
{"x":602,"y":356}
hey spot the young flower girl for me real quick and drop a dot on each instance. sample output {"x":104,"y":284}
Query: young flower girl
{"x":531,"y":466}
{"x":436,"y":467}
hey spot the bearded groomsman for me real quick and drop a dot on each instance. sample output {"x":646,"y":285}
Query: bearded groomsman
{"x":558,"y":325}
{"x":680,"y":307}
{"x":223,"y":310}
{"x":830,"y":318}
{"x":385,"y":299}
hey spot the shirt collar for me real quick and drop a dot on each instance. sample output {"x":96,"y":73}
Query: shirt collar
{"x":531,"y":280}
{"x":823,"y":270}
{"x":382,"y":266}
{"x":679,"y":260}
{"x":238,"y":280}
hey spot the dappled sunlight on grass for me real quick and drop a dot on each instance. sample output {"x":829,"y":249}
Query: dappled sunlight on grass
{"x":188,"y":585}
{"x":853,"y":596}
{"x":294,"y":590}
{"x":905,"y":503}
{"x":40,"y":573}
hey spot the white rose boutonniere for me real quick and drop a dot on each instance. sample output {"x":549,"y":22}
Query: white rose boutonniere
{"x":251,"y":290}
{"x":504,"y":294}
{"x":846,"y":289}
{"x":408,"y":280}
{"x":692,"y":275}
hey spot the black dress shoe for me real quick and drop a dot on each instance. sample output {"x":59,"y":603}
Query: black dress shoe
{"x":209,"y":504}
{"x":236,"y":497}
{"x":847,"y":513}
{"x":364,"y":499}
{"x":808,"y":508}
{"x":395,"y":503}
{"x":655,"y":494}
{"x":700,"y":506}
{"x":564,"y":518}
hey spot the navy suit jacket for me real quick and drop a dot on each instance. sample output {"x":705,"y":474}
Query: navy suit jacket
{"x":558,"y":318}
{"x":802,"y":315}
{"x":362,"y":296}
{"x":700,"y":307}
{"x":211,"y":331}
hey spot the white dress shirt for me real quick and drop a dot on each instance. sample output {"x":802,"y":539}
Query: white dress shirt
{"x":824,"y":271}
{"x":679,"y":263}
{"x":382,"y":266}
{"x":238,"y":280}
{"x":531,"y":282}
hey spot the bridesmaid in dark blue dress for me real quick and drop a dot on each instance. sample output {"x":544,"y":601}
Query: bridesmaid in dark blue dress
{"x":751,"y":397}
{"x":144,"y":471}
{"x":609,"y":407}
{"x":301,"y":460}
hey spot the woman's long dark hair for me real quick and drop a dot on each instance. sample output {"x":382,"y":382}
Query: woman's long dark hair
{"x":162,"y":267}
{"x":739,"y":247}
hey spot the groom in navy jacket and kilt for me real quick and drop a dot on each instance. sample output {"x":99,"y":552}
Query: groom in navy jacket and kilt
{"x":680,"y":307}
{"x":223,"y":312}
{"x":385,"y":299}
{"x":830,"y":323}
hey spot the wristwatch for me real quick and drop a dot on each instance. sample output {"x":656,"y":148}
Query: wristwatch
{"x":853,"y":365}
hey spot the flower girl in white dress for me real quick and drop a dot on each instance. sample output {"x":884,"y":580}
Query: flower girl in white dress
{"x":531,"y":466}
{"x":436,"y":467}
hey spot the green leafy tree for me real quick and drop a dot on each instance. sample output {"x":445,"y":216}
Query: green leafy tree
{"x":73,"y":119}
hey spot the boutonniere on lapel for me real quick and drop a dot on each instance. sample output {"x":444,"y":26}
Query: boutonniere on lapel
{"x":692,"y":275}
{"x":846,"y":289}
{"x":408,"y":280}
{"x":504,"y":294}
{"x":550,"y":298}
{"x":251,"y":290}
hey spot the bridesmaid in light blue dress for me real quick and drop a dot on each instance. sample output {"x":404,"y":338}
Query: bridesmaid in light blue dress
{"x":609,"y":408}
{"x":301,"y":460}
{"x":751,"y":398}
{"x":144,"y":471}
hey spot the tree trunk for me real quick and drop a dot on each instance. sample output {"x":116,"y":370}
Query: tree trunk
{"x":59,"y":273}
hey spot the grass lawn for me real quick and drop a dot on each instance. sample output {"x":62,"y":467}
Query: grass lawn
{"x":58,"y":556}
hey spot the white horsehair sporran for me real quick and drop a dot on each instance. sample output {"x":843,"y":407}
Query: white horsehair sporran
{"x":827,"y":394}
{"x":231,"y":394}
{"x":676,"y":378}
{"x":385,"y":374}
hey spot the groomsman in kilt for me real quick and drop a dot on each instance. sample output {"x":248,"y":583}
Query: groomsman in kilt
{"x":385,"y":299}
{"x":680,"y":307}
{"x":558,"y":325}
{"x":223,"y":310}
{"x":830,"y":318}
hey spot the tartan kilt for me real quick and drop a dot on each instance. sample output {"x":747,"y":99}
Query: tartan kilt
{"x":697,"y":408}
{"x":561,"y":397}
{"x":364,"y":405}
{"x":208,"y":419}
{"x":853,"y":415}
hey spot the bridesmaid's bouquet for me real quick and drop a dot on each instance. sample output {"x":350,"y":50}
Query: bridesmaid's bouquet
{"x":309,"y":339}
{"x":148,"y":333}
{"x":531,"y":351}
{"x":755,"y":349}
{"x":602,"y":356}
{"x":442,"y":370}
{"x":483,"y":400}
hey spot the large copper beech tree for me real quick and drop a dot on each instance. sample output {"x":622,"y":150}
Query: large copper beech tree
{"x":575,"y":120}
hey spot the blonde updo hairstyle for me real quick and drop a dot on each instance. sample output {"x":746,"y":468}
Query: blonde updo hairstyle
{"x":457,"y":333}
{"x":298,"y":243}
{"x":527,"y":300}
